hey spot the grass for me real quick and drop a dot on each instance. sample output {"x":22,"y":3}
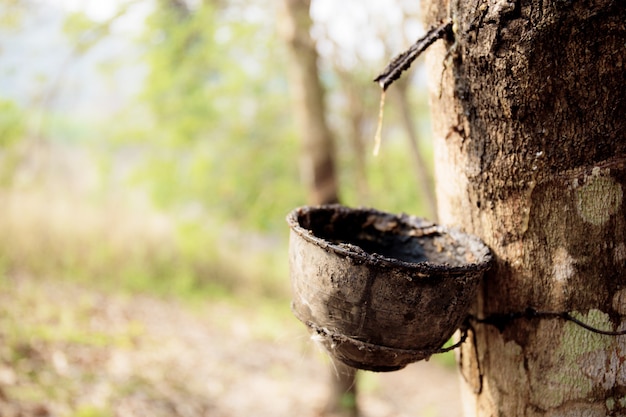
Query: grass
{"x":119,"y":248}
{"x":52,"y":344}
{"x":68,"y":349}
{"x":117,"y":251}
{"x":37,"y":338}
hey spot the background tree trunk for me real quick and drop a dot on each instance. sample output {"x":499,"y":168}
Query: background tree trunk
{"x":422,"y":173}
{"x":318,"y":159}
{"x":357,"y":116}
{"x":529,"y":118}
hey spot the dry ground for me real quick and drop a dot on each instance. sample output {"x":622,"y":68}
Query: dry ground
{"x":68,"y":350}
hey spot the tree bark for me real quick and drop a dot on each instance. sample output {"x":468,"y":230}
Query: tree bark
{"x":317,"y":161}
{"x":529,"y":118}
{"x":356,"y":119}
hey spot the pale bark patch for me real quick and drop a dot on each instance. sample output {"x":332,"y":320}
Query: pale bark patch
{"x":605,"y":368}
{"x":577,"y":350}
{"x":562,"y":265}
{"x":619,"y":255}
{"x":619,"y":302}
{"x":599,"y":198}
{"x":562,"y":271}
{"x":579,"y":410}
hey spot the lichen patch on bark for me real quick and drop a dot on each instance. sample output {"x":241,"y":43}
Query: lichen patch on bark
{"x":602,"y":367}
{"x":599,"y":198}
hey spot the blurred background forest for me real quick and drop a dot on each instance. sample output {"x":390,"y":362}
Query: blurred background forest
{"x":149,"y":147}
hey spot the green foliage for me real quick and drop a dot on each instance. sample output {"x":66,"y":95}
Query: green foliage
{"x":12,"y":123}
{"x":210,"y":138}
{"x":222,"y":135}
{"x":39,"y":334}
{"x":76,"y":24}
{"x":182,"y":69}
{"x":118,"y":249}
{"x":222,"y":139}
{"x":86,"y":32}
{"x":12,"y":130}
{"x":92,"y":411}
{"x":12,"y":12}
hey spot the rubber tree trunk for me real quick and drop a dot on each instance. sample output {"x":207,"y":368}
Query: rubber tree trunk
{"x":317,"y":161}
{"x":529,"y":115}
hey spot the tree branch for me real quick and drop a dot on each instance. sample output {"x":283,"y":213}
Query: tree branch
{"x":403,"y":61}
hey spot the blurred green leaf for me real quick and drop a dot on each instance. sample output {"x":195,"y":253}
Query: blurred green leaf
{"x":12,"y":123}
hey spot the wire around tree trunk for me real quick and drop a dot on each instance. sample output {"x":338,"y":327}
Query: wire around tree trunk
{"x":502,"y":320}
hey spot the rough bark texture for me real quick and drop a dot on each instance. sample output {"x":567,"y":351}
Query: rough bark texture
{"x":529,"y":115}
